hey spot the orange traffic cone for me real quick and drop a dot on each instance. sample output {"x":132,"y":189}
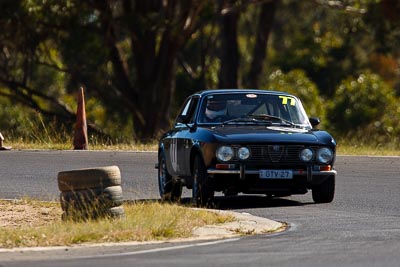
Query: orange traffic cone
{"x":1,"y":144}
{"x":80,"y":137}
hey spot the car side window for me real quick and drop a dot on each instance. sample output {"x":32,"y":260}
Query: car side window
{"x":186,"y":108}
{"x":188,"y":111}
{"x":192,"y":109}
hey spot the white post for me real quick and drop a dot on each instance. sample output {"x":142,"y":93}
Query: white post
{"x":1,"y":143}
{"x":1,"y":140}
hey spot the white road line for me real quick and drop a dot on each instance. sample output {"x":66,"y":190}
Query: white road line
{"x":159,"y":249}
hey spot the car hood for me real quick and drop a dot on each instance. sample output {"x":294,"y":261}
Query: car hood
{"x":266,"y":134}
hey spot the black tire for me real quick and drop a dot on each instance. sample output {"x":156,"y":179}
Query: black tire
{"x":89,"y":178}
{"x":202,"y":191}
{"x":116,"y":212}
{"x":170,"y":190}
{"x":324,"y":192}
{"x":102,"y":197}
{"x":114,"y":195}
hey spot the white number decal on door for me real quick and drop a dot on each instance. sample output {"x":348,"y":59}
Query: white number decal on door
{"x":173,"y":152}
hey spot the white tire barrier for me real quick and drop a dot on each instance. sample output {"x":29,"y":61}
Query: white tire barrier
{"x":91,"y":193}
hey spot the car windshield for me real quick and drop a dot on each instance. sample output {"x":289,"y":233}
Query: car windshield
{"x":242,"y":108}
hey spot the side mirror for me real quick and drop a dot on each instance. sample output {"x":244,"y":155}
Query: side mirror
{"x":184,"y":119}
{"x":314,"y":122}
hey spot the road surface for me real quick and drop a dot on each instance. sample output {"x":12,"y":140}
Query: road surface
{"x":360,"y":228}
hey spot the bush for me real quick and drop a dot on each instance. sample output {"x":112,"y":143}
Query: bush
{"x":365,"y":107}
{"x":20,"y":123}
{"x":297,"y":83}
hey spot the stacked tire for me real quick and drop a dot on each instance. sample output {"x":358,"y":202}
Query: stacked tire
{"x":91,"y":193}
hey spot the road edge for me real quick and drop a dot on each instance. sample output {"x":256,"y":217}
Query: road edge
{"x":244,"y":224}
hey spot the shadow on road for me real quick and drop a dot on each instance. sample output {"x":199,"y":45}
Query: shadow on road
{"x":242,"y":202}
{"x":248,"y":202}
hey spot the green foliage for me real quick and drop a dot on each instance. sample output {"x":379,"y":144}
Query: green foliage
{"x":20,"y":124}
{"x":51,"y":48}
{"x":328,"y":43}
{"x":28,"y":126}
{"x":297,"y":83}
{"x":365,"y":106}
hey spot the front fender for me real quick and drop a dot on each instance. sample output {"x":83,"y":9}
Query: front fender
{"x":205,"y":149}
{"x":325,"y":138}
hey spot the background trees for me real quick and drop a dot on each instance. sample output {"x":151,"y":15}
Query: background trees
{"x":138,"y":59}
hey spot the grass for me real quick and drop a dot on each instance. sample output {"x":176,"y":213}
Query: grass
{"x":64,"y":146}
{"x":143,"y":222}
{"x":344,"y":148}
{"x":22,"y":144}
{"x":51,"y":137}
{"x":370,"y":148}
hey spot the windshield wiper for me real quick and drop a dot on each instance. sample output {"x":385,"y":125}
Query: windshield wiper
{"x":257,"y":118}
{"x":241,"y":119}
{"x":266,"y":117}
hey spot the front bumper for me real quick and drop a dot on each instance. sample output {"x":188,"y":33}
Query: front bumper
{"x":312,"y":174}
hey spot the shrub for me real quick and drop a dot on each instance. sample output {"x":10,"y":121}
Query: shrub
{"x":366,"y":107}
{"x":297,"y":83}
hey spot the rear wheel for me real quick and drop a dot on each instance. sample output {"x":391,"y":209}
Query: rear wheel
{"x":324,"y":192}
{"x":202,"y":191}
{"x":170,"y":190}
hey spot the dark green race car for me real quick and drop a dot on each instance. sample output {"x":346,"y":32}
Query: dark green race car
{"x":245,"y":141}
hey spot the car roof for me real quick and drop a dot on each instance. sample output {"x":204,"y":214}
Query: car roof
{"x":239,"y":91}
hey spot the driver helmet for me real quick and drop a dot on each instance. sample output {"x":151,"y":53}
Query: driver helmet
{"x":215,"y":108}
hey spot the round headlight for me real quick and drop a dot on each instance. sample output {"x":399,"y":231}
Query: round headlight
{"x":306,"y":154}
{"x":324,"y":155}
{"x":224,"y":153}
{"x":243,"y":153}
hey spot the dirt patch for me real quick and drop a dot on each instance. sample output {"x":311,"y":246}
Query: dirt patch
{"x":20,"y":213}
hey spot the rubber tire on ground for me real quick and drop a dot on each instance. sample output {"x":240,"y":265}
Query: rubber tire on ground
{"x":169,"y":189}
{"x":104,"y":197}
{"x":116,"y":212}
{"x":89,"y":178}
{"x":202,"y":191}
{"x":324,"y":192}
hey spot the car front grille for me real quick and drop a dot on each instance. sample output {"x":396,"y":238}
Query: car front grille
{"x":277,"y":153}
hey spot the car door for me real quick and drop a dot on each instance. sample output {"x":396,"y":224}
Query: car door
{"x":190,"y":134}
{"x":177,"y":145}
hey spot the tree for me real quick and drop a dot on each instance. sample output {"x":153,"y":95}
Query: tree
{"x":157,"y":30}
{"x":264,"y":27}
{"x":23,"y":62}
{"x":229,"y":51}
{"x":229,"y":48}
{"x":130,"y":44}
{"x":137,"y":59}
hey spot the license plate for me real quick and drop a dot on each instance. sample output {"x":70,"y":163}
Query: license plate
{"x":276,"y":174}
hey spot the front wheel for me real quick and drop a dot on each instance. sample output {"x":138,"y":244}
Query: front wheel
{"x":324,"y":192}
{"x":202,"y":191}
{"x":170,"y":190}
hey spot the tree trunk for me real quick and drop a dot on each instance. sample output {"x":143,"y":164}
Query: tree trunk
{"x":155,"y":51}
{"x":229,"y":51}
{"x":264,"y":27}
{"x":152,"y":106}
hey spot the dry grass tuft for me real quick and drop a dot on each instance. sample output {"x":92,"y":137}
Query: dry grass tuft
{"x":31,"y":223}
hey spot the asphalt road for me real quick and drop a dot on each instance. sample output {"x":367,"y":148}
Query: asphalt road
{"x":360,"y":228}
